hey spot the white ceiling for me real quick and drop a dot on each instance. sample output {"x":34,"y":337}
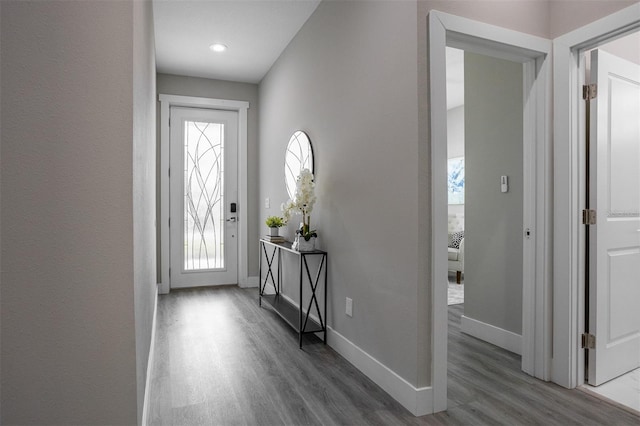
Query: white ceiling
{"x":255,"y":32}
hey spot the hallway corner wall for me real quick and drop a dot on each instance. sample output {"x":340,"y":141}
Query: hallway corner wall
{"x":348,"y":79}
{"x":69,"y":308}
{"x":144,"y":183}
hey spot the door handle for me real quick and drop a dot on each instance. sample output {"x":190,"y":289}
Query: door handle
{"x":232,"y":219}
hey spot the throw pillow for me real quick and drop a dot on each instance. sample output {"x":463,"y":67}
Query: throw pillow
{"x":455,"y":238}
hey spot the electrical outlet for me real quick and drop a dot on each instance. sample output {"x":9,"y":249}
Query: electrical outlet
{"x":267,"y":203}
{"x":349,"y":310}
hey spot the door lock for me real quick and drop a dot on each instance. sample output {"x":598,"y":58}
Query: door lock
{"x":232,"y":219}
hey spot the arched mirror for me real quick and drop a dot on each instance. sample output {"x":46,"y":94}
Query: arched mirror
{"x":299,"y":156}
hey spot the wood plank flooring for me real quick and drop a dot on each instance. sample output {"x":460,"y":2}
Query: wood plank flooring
{"x":222,"y":360}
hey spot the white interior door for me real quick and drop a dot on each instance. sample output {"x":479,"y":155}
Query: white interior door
{"x":614,"y":252}
{"x":203,"y":197}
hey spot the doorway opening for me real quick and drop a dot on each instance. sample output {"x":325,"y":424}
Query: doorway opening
{"x":486,"y":194}
{"x":455,"y":176}
{"x":612,"y":237}
{"x":532,"y":54}
{"x":194,"y":256}
{"x":570,"y":268}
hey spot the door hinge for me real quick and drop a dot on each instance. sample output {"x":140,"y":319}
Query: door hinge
{"x":169,"y":272}
{"x":169,"y":121}
{"x":169,"y":172}
{"x":588,"y":217}
{"x":169,"y":222}
{"x":589,"y":91}
{"x":588,"y":341}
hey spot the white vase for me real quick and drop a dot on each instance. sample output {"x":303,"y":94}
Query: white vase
{"x":275,"y":231}
{"x":301,"y":244}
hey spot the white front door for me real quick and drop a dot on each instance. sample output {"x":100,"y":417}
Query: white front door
{"x":614,"y":241}
{"x":203,"y":197}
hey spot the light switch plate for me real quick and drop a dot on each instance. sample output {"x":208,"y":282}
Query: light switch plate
{"x":504,"y":183}
{"x":349,"y":309}
{"x":267,"y":203}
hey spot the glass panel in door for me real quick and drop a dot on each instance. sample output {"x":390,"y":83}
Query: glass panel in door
{"x":203,"y":236}
{"x":203,"y":230}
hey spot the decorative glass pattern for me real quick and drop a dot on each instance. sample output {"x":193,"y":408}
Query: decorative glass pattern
{"x":203,"y":196}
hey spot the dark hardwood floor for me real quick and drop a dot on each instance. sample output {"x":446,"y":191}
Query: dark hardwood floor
{"x":222,"y":360}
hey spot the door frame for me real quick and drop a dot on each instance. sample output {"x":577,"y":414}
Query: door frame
{"x":534,"y":52}
{"x":241,"y":107}
{"x":569,"y":188}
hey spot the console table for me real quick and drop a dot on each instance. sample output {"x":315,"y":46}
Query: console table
{"x":296,"y":317}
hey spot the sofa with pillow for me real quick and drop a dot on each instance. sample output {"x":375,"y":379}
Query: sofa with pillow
{"x":456,"y":245}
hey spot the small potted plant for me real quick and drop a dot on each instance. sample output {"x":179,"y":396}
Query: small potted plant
{"x":274,"y":223}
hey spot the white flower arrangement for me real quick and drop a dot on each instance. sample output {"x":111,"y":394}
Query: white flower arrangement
{"x":302,"y":203}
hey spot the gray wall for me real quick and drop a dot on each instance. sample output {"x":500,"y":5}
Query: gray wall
{"x":202,"y":87}
{"x":627,"y":47}
{"x":455,"y":132}
{"x":72,"y":237}
{"x":144,"y":184}
{"x":493,"y":220}
{"x":355,"y":78}
{"x":567,"y":15}
{"x":348,"y":80}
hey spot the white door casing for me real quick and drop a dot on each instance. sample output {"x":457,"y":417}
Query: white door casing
{"x":449,"y":30}
{"x":614,"y":241}
{"x":203,"y":187}
{"x":569,"y":187}
{"x":241,"y":107}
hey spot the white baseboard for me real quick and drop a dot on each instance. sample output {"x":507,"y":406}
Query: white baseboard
{"x":419,"y":401}
{"x":150,"y":361}
{"x":492,"y":334}
{"x":251,"y":282}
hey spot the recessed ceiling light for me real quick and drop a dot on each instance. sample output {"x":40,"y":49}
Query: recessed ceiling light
{"x":218,"y":47}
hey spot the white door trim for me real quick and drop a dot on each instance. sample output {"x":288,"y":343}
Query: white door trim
{"x":533,"y":52}
{"x":569,"y":172}
{"x":166,"y":102}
